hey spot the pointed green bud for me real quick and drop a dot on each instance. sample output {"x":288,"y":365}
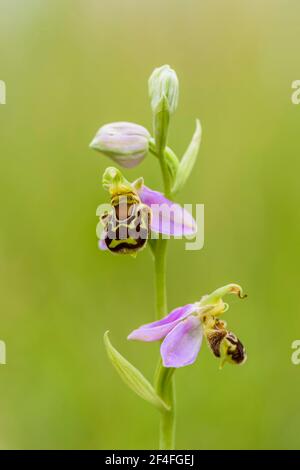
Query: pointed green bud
{"x":133,"y":378}
{"x":125,"y":143}
{"x":163,"y":83}
{"x":163,"y":92}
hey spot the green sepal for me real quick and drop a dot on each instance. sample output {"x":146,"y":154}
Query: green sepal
{"x":161,"y":123}
{"x":188,"y":160}
{"x":133,"y":378}
{"x":138,"y":184}
{"x":114,"y":181}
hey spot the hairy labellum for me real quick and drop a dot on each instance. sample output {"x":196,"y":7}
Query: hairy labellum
{"x":127,"y":226}
{"x":233,"y":349}
{"x":214,"y":339}
{"x":223,"y":343}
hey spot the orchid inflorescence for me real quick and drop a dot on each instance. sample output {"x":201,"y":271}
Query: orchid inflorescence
{"x":137,"y":216}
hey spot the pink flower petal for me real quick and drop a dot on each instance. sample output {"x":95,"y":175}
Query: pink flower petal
{"x":102,"y":245}
{"x":159,"y":329}
{"x":168,"y":217}
{"x":182,"y":345}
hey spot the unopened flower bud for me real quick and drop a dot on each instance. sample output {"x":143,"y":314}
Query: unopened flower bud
{"x":125,"y":143}
{"x":163,"y":83}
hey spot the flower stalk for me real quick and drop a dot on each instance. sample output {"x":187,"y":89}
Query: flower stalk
{"x":165,"y":389}
{"x":160,"y":264}
{"x":164,"y":383}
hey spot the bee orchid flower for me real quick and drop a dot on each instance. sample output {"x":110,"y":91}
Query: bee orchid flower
{"x":183,"y":329}
{"x":137,"y":212}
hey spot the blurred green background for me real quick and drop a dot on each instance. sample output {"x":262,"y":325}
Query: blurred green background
{"x":71,"y":66}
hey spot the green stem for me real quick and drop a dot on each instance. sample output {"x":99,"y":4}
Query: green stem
{"x":164,"y":381}
{"x":166,"y":176}
{"x":160,"y":256}
{"x":165,"y":388}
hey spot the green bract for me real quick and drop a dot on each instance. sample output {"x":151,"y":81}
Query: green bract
{"x":133,"y":377}
{"x":188,"y":160}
